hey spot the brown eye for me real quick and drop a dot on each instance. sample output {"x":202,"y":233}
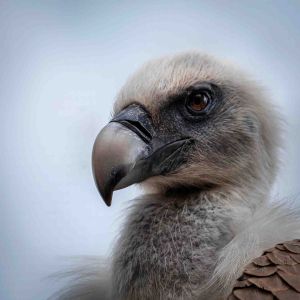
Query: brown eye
{"x":197,"y":102}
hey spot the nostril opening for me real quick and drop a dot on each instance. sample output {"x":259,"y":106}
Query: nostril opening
{"x":138,"y":128}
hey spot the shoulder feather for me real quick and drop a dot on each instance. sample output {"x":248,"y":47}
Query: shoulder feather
{"x":271,"y":224}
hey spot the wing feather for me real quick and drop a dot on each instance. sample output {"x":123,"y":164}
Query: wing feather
{"x":273,"y":275}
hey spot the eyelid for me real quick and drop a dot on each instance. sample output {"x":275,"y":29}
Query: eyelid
{"x":203,"y":86}
{"x":180,"y":97}
{"x":201,"y":91}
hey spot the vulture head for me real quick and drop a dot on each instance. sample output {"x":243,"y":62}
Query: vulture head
{"x":188,"y":123}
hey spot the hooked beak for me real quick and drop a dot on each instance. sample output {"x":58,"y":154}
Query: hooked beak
{"x":127,"y":151}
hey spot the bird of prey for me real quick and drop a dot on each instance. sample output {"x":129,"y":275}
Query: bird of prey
{"x":203,"y":140}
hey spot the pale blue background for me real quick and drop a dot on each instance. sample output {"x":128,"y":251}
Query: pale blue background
{"x":61,"y":63}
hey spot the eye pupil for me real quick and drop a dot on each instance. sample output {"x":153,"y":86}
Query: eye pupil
{"x":198,"y":102}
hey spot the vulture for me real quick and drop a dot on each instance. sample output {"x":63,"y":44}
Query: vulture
{"x":203,"y":140}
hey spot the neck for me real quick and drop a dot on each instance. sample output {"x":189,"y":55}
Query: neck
{"x":170,"y":243}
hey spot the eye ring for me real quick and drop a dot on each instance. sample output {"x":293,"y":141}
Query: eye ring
{"x":197,"y":102}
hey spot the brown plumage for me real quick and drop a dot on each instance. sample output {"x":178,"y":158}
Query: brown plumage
{"x":274,"y":275}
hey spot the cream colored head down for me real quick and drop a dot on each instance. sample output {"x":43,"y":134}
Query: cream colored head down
{"x":236,"y":145}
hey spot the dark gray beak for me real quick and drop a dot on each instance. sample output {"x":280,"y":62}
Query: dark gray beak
{"x":127,"y":151}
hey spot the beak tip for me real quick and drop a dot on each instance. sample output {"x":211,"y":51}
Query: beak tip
{"x":107,"y":199}
{"x":106,"y":195}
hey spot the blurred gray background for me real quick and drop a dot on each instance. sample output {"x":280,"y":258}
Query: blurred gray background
{"x":61,"y":64}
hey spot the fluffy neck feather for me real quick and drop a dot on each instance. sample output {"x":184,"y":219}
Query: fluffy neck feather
{"x":169,"y":246}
